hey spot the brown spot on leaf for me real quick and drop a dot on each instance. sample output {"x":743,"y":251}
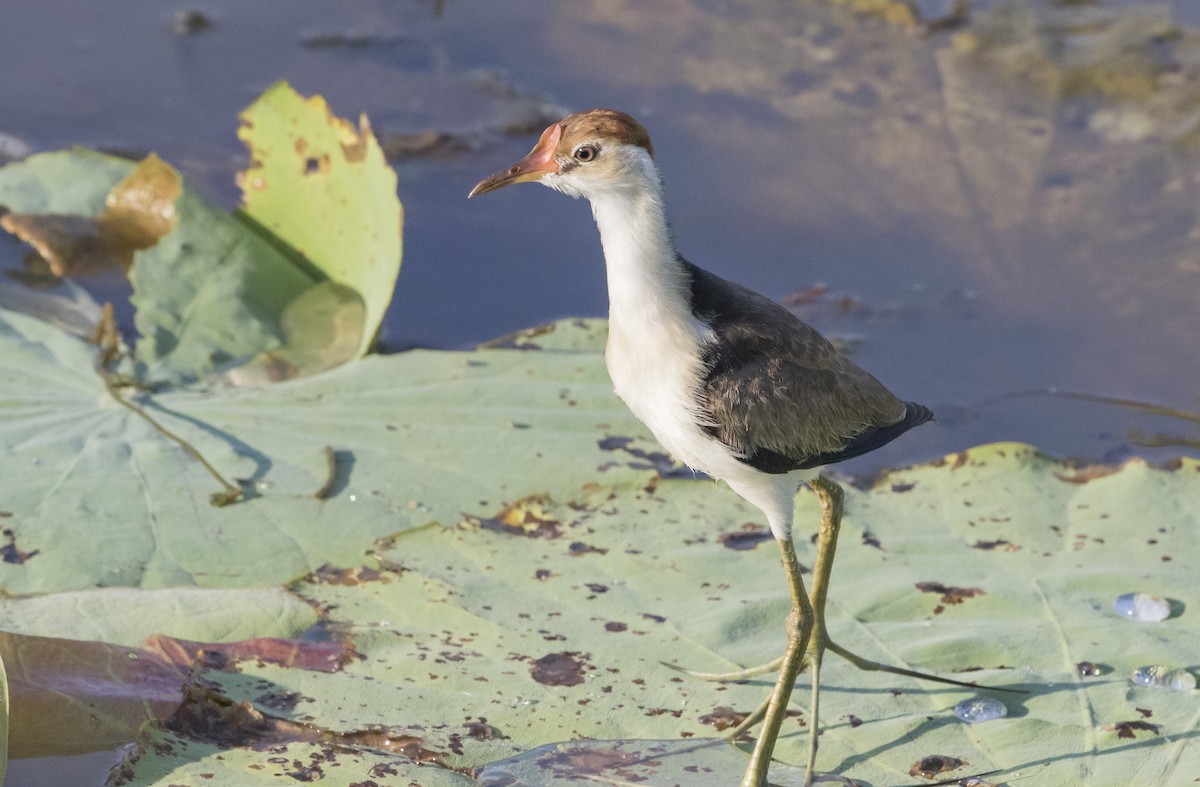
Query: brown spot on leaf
{"x":1082,"y":475}
{"x":351,"y":577}
{"x":999,"y":542}
{"x":1129,"y":729}
{"x":357,"y":150}
{"x":482,"y":731}
{"x":949,"y":594}
{"x":934,"y":764}
{"x":525,"y":517}
{"x":723,"y":718}
{"x":559,"y":669}
{"x":316,"y":165}
{"x":208,"y":716}
{"x":659,"y":461}
{"x":580,"y":764}
{"x":664,"y":712}
{"x":11,"y":553}
{"x":297,"y":654}
{"x":615,"y":626}
{"x":578,"y":548}
{"x":749,"y":537}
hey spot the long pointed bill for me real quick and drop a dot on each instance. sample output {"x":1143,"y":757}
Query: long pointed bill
{"x":539,"y":163}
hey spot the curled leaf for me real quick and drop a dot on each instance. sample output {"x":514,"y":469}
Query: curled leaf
{"x":138,"y":212}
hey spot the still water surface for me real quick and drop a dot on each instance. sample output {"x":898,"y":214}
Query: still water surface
{"x":976,"y":236}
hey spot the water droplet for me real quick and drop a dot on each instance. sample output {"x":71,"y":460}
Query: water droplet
{"x":1087,"y":669}
{"x":980,"y":709}
{"x":1142,"y":607}
{"x":263,"y":486}
{"x":1158,"y":675}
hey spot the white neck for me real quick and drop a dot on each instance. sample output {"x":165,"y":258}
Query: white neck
{"x":655,"y":343}
{"x":646,"y":281}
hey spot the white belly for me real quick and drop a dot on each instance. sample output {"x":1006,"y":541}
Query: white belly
{"x":659,"y":376}
{"x":658,"y":373}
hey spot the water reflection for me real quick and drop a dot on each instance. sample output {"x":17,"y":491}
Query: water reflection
{"x":1012,"y":204}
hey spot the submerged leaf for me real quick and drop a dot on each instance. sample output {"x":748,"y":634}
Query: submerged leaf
{"x":101,"y":693}
{"x":322,"y":328}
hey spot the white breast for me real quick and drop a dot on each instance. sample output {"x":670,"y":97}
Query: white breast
{"x":656,"y":369}
{"x":658,"y":373}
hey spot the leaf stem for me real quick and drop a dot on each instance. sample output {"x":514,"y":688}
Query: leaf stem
{"x":106,"y":338}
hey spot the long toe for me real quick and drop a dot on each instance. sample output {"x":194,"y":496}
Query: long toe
{"x":730,"y":677}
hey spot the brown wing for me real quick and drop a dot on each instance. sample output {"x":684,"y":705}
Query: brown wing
{"x":779,"y":393}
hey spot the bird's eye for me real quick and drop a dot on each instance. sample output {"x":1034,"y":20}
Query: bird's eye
{"x":586,"y":152}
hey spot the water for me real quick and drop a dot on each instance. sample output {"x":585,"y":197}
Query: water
{"x":789,"y":161}
{"x":1164,"y":677}
{"x":980,"y":709}
{"x":1142,"y":607}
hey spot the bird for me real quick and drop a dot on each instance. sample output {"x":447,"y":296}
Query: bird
{"x":729,"y":382}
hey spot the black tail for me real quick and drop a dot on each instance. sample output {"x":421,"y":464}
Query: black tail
{"x":875,"y":437}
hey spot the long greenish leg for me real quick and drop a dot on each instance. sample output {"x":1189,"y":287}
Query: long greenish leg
{"x":799,"y":631}
{"x":832,"y":498}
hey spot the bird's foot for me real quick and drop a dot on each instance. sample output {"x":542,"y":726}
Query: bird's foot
{"x":800,"y":631}
{"x":729,"y":677}
{"x":876,"y":666}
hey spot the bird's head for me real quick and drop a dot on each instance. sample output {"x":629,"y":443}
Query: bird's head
{"x":585,"y":155}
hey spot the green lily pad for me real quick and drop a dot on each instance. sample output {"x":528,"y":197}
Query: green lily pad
{"x":208,"y":293}
{"x":104,"y":500}
{"x":553,"y":619}
{"x":163,"y":758}
{"x":325,"y":188}
{"x":299,"y":281}
{"x":495,"y":540}
{"x":208,"y":615}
